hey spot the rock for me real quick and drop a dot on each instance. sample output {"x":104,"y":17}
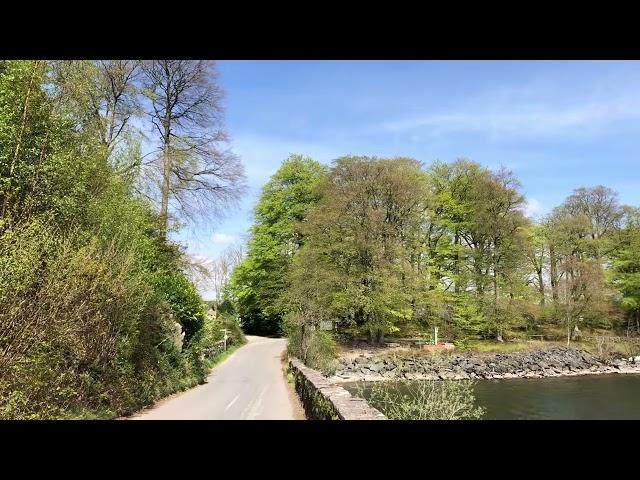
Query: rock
{"x":553,"y":361}
{"x":375,"y":367}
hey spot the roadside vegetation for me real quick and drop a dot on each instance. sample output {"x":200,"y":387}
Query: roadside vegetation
{"x":100,"y":162}
{"x":423,"y":400}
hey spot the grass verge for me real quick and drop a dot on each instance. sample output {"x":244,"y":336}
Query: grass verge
{"x":209,"y":363}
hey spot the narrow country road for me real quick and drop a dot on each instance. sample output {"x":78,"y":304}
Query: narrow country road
{"x":249,"y":385}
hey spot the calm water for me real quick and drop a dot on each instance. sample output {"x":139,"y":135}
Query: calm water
{"x":597,"y":397}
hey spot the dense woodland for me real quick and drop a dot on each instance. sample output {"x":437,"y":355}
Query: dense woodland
{"x":390,"y":246}
{"x":99,"y":163}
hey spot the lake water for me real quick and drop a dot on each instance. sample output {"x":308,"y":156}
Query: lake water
{"x":593,"y":397}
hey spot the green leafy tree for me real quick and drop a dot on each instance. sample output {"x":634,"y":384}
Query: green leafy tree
{"x":258,"y":282}
{"x":625,"y":272}
{"x":355,"y":262}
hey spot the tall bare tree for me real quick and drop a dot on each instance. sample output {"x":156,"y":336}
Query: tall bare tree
{"x":198,"y":178}
{"x":222,"y":267}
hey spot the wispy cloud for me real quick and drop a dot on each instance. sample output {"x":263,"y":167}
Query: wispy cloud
{"x":526,"y":113}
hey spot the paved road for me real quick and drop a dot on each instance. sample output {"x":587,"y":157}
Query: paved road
{"x":249,"y":385}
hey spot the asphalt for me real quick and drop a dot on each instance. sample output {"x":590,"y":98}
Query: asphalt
{"x":248,"y":385}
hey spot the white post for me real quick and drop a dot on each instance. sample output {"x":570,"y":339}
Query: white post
{"x":435,"y":341}
{"x":225,"y":339}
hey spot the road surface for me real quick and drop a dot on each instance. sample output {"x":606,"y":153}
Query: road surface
{"x":249,"y":385}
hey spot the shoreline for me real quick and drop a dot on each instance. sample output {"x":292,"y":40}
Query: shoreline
{"x":378,"y":378}
{"x":545,"y":363}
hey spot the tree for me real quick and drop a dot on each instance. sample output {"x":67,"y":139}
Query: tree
{"x":580,"y":287}
{"x":198,"y":178}
{"x":625,"y":271}
{"x":220,"y":269}
{"x":356,"y":260}
{"x":24,"y":107}
{"x":479,"y":213}
{"x":258,"y":282}
{"x":537,"y":255}
{"x":101,"y":95}
{"x":599,"y":206}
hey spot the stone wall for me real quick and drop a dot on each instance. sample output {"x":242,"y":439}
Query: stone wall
{"x":324,"y":400}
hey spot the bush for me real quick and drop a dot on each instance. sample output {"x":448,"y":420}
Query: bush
{"x":213,"y":334}
{"x":423,"y":400}
{"x":184,"y":300}
{"x":462,"y":344}
{"x":84,"y":327}
{"x":234,"y":331}
{"x":315,"y":348}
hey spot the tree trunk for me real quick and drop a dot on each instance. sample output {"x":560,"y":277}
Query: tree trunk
{"x":540,"y":286}
{"x":568,"y":331}
{"x":495,"y":303}
{"x":553,"y":263}
{"x":23,"y":125}
{"x":166,"y":160}
{"x":456,"y":263}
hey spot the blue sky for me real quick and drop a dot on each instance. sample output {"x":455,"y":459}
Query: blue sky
{"x":558,"y":125}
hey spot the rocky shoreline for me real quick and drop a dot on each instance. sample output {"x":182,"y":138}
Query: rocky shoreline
{"x":551,"y":362}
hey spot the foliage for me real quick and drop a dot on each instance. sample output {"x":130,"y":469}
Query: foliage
{"x":625,"y":271}
{"x":390,"y":247}
{"x":424,"y":400}
{"x":93,"y":298}
{"x":316,"y":348}
{"x":258,"y":281}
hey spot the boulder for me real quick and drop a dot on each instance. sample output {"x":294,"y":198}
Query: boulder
{"x":376,"y":367}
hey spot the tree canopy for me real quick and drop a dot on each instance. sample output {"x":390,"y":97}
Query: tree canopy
{"x":390,"y":246}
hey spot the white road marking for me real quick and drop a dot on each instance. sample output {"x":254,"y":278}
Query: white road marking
{"x":256,"y":405}
{"x":232,"y":402}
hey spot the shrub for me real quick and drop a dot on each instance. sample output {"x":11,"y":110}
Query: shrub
{"x":234,"y":331}
{"x":423,"y":400}
{"x":184,"y":300}
{"x":84,"y":327}
{"x":315,"y":348}
{"x":462,"y":344}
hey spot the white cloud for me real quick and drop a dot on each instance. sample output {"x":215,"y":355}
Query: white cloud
{"x":534,"y":208}
{"x":528,"y":112}
{"x":224,"y":239}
